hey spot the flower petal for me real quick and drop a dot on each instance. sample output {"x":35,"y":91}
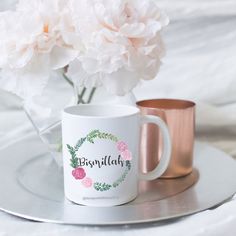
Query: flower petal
{"x":60,"y":57}
{"x":28,"y":81}
{"x":20,"y":58}
{"x":120,"y":82}
{"x":133,"y":30}
{"x":80,"y":77}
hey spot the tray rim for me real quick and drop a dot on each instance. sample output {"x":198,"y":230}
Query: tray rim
{"x":148,"y":220}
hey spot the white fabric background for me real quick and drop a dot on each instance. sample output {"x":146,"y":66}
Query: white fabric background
{"x":200,"y":65}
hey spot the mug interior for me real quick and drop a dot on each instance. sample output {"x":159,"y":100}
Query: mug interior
{"x":105,"y":111}
{"x":169,"y":104}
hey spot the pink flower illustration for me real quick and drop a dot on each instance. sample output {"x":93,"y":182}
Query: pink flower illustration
{"x":126,"y":155}
{"x":121,"y":146}
{"x":87,"y":182}
{"x":79,"y":173}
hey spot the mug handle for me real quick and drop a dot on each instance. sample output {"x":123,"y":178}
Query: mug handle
{"x":166,"y":154}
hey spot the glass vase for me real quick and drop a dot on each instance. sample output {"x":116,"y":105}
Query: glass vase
{"x":44,"y":111}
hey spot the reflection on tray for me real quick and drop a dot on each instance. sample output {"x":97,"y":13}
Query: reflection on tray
{"x":163,"y":188}
{"x":52,"y":189}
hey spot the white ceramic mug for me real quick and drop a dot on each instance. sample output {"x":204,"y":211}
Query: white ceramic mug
{"x":100,"y":153}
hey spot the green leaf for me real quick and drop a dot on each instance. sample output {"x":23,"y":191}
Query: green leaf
{"x":90,"y":140}
{"x":128,"y":164}
{"x":74,"y":159}
{"x":93,"y":134}
{"x":79,"y":143}
{"x":101,"y":186}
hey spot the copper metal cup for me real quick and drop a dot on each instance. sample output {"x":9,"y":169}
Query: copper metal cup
{"x":179,"y":116}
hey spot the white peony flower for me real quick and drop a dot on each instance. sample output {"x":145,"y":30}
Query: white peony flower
{"x":34,"y":40}
{"x":122,"y":42}
{"x":104,"y":42}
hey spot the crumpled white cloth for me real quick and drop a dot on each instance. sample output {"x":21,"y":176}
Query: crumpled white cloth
{"x":200,"y":65}
{"x":14,"y":126}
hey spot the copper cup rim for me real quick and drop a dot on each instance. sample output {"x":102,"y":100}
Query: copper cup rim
{"x":166,"y":104}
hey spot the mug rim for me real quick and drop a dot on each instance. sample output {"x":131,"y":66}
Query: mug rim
{"x":128,"y":110}
{"x":166,"y":104}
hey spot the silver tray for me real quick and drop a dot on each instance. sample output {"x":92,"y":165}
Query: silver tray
{"x":32,"y":187}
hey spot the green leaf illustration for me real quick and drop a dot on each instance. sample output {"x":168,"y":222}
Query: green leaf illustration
{"x":102,"y":186}
{"x":79,"y":143}
{"x":74,"y":159}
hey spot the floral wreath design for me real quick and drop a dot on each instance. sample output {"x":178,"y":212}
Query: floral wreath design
{"x":79,"y":173}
